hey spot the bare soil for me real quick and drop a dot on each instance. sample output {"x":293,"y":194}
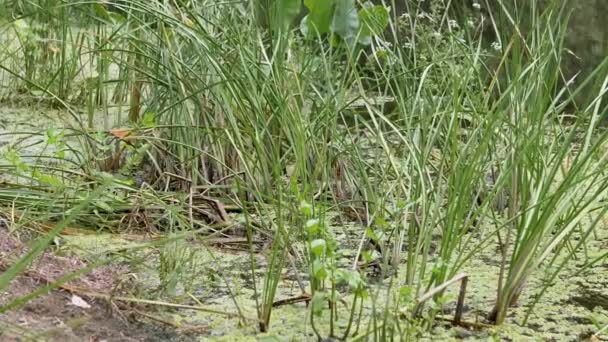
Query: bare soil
{"x":53,"y":317}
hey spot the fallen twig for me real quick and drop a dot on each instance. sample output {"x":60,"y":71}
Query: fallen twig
{"x":305,"y":297}
{"x":463,"y":278}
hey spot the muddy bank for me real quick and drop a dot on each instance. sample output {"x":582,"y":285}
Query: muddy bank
{"x":64,"y":315}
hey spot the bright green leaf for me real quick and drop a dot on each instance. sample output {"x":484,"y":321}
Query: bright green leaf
{"x":405,"y":293}
{"x":148,"y":120}
{"x":319,"y":271}
{"x":371,"y":234}
{"x":50,"y":180}
{"x":352,"y":278}
{"x":12,"y":157}
{"x":60,"y":154}
{"x":374,"y":20}
{"x":312,"y":226}
{"x":317,"y":247}
{"x":305,"y":208}
{"x":319,"y":18}
{"x":367,"y":256}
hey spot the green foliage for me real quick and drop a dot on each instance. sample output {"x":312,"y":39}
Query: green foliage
{"x":341,"y":18}
{"x":374,"y":20}
{"x":13,"y":157}
{"x":319,"y":17}
{"x":304,"y":144}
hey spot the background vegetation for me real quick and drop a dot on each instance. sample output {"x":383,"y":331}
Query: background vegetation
{"x":439,"y":130}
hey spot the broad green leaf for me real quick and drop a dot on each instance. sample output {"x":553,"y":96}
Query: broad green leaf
{"x":371,"y":234}
{"x":51,"y":180}
{"x":304,"y":25}
{"x":312,"y":226}
{"x":352,"y":278}
{"x":12,"y":157}
{"x":380,"y":222}
{"x":363,"y":293}
{"x":305,"y":208}
{"x":319,"y":18}
{"x":405,"y":293}
{"x":317,"y":247}
{"x":345,"y":22}
{"x":148,"y":120}
{"x":60,"y":154}
{"x":319,"y":271}
{"x":54,"y":136}
{"x":15,"y":160}
{"x":374,"y":20}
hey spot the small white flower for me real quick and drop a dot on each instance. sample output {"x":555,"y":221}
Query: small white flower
{"x":476,"y":5}
{"x":470,"y":23}
{"x":453,"y":23}
{"x":385,"y":44}
{"x":496,"y":46}
{"x":424,"y":15}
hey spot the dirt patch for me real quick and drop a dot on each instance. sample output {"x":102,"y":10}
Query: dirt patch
{"x":55,"y":317}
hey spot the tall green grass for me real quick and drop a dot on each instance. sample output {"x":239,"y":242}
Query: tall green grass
{"x":292,"y":130}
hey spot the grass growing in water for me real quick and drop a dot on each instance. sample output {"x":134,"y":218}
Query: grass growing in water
{"x":289,"y":128}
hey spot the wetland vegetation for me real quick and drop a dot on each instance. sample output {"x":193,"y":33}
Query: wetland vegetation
{"x":287,"y":170}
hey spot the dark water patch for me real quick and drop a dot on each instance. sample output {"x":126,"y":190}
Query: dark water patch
{"x":586,"y":336}
{"x":591,"y":299}
{"x":579,"y":320}
{"x":490,"y":260}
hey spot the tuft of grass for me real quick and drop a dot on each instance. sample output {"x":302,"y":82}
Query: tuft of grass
{"x":433,"y":162}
